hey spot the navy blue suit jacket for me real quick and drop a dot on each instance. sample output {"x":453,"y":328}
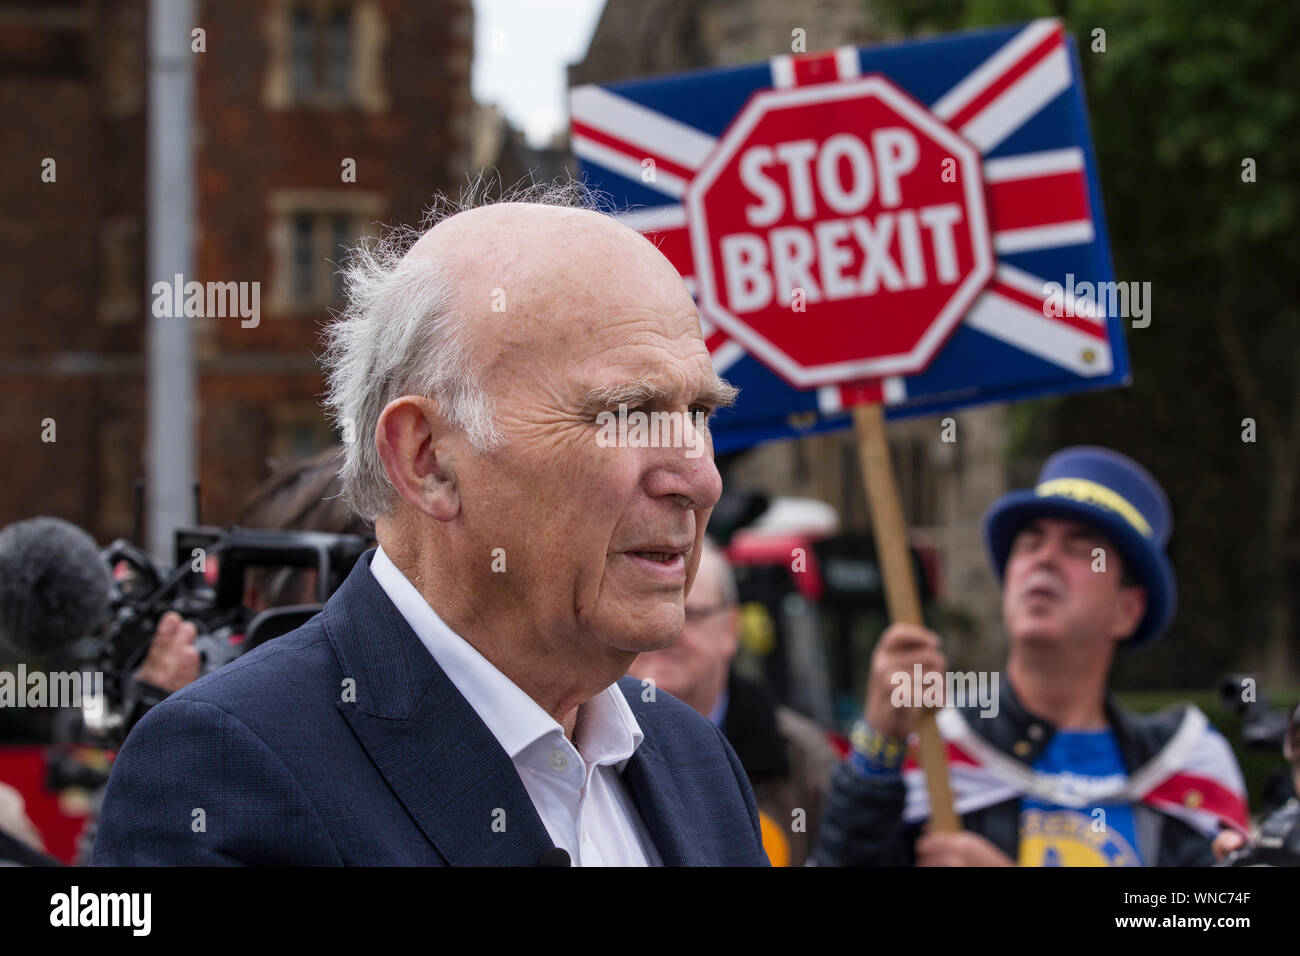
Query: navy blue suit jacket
{"x":263,"y":762}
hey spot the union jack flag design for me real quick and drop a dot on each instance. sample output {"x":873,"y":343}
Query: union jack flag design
{"x":1194,"y":778}
{"x":1015,"y":93}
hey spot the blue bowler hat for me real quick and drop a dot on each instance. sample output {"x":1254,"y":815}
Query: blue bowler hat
{"x":1117,"y":496}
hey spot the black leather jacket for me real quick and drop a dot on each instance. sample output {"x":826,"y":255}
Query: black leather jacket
{"x":862,"y":822}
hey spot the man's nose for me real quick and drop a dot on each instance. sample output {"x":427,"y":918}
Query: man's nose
{"x":1050,"y":552}
{"x":694,"y":480}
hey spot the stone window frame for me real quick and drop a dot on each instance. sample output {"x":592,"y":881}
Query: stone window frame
{"x":323,"y":207}
{"x":365,"y":89}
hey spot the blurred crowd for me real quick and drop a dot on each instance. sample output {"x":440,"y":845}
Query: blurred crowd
{"x":1058,"y":773}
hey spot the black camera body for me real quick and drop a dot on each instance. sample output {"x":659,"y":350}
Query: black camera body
{"x":206,"y":587}
{"x":1278,"y":841}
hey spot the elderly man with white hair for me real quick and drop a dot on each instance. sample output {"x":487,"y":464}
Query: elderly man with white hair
{"x":462,"y":698}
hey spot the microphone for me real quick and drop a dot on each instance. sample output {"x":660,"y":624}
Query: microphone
{"x":555,"y":856}
{"x":54,"y":586}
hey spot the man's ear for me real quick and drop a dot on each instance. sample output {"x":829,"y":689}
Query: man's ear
{"x":1130,"y":607}
{"x":411,"y":441}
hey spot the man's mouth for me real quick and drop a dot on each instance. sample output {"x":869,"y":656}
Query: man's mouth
{"x":1043,"y":592}
{"x":662,"y":558}
{"x":663,"y":550}
{"x":659,"y":557}
{"x":1042,"y":587}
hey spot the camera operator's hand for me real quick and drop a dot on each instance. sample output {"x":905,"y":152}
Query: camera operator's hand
{"x":1226,"y":842}
{"x":14,"y":820}
{"x":173,"y":660}
{"x":900,"y":647}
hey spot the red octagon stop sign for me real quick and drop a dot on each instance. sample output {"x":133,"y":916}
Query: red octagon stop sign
{"x":839,"y":231}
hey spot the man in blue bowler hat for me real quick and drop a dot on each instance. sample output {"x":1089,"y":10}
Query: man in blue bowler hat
{"x":1054,"y":774}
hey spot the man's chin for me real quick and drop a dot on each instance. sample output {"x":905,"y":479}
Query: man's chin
{"x":647,"y":641}
{"x":653,"y":633}
{"x":1038,"y":636}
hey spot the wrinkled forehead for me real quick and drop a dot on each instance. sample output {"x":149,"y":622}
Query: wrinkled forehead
{"x":620,"y":354}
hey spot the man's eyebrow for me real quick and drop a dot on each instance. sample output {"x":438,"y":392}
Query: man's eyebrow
{"x":717,"y":393}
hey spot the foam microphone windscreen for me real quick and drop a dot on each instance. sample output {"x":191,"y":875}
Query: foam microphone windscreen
{"x":54,"y":586}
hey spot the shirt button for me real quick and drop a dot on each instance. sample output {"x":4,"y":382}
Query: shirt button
{"x":559,"y":763}
{"x":1035,"y":731}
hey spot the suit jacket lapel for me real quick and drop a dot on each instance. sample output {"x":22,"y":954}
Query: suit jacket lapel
{"x":650,"y":782}
{"x":438,"y":756}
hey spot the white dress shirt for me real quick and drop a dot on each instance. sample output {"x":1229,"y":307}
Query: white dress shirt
{"x":577,"y":791}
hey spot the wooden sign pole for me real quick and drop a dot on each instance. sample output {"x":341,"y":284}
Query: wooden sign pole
{"x":901,"y":596}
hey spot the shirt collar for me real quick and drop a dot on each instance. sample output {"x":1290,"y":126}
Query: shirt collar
{"x":605,"y":731}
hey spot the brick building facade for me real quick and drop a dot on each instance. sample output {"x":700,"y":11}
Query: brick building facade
{"x":291,"y":97}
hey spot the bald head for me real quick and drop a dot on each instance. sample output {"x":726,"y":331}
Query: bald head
{"x":506,"y":233}
{"x":529,"y":279}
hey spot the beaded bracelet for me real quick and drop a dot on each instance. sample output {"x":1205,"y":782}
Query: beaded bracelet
{"x":875,"y":754}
